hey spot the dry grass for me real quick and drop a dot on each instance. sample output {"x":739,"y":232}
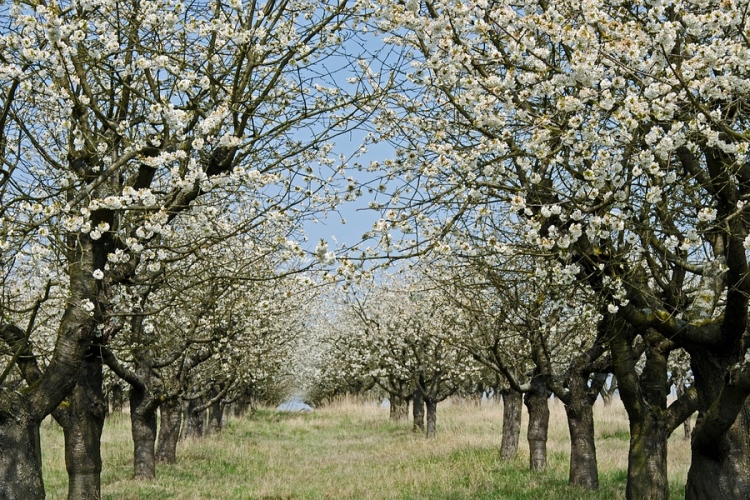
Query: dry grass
{"x":351,"y":451}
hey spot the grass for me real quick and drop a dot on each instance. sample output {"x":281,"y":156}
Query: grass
{"x":351,"y":451}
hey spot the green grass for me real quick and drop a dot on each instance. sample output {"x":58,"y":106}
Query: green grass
{"x":619,"y":434}
{"x":352,"y":451}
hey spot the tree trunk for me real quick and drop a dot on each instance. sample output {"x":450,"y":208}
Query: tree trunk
{"x":239,"y":408}
{"x":725,"y":474}
{"x":82,"y":420}
{"x":193,"y":420}
{"x":143,"y":430}
{"x":214,"y":415}
{"x":117,"y":398}
{"x":20,"y":450}
{"x":511,"y":424}
{"x":536,"y":401}
{"x":580,"y":413}
{"x":431,"y":405}
{"x":399,"y":409}
{"x":170,"y":414}
{"x":225,"y":414}
{"x":644,"y":397}
{"x":720,"y":445}
{"x":647,"y":459}
{"x":418,"y":411}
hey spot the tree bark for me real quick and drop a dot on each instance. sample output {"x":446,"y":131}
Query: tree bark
{"x":225,"y":414}
{"x":193,"y":420}
{"x":536,"y":401}
{"x":720,"y":445}
{"x":431,"y":406}
{"x":214,"y":414}
{"x":20,"y":450}
{"x":170,"y":416}
{"x":644,"y":398}
{"x":143,"y":430}
{"x":418,"y":411}
{"x":399,"y":408}
{"x":511,"y":424}
{"x":580,"y":413}
{"x":117,"y":398}
{"x":82,"y":420}
{"x":647,"y":459}
{"x":724,"y":474}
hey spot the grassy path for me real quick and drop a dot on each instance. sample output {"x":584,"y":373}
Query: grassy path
{"x":352,"y":452}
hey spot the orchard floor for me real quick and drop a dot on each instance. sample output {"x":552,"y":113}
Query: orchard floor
{"x":351,"y":451}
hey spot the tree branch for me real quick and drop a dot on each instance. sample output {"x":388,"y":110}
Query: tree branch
{"x":120,"y":370}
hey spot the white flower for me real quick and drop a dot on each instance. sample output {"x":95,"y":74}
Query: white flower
{"x":612,"y":308}
{"x":98,"y":274}
{"x":517,"y":202}
{"x":229,"y":141}
{"x":87,"y":305}
{"x":324,"y":256}
{"x":653,"y":195}
{"x":707,"y":214}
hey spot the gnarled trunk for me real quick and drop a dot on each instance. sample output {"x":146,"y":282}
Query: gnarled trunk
{"x":536,"y":401}
{"x":170,"y":417}
{"x":143,"y":430}
{"x":82,"y":420}
{"x":580,"y":413}
{"x":511,"y":424}
{"x":418,"y":410}
{"x":644,"y":398}
{"x":431,"y":406}
{"x":725,"y":473}
{"x":720,"y":445}
{"x":20,"y":450}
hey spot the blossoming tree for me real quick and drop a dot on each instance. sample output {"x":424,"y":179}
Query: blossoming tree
{"x":612,"y":138}
{"x":114,"y":119}
{"x":409,"y":332}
